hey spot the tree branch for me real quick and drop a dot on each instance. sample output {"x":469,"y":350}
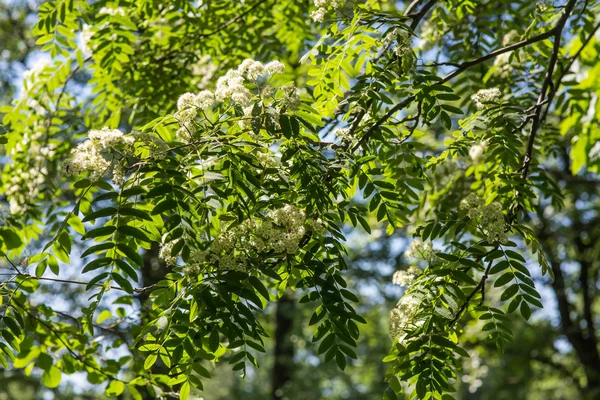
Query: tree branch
{"x":537,"y":120}
{"x":480,"y":287}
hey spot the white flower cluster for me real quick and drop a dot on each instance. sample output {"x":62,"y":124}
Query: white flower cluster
{"x":323,"y":5}
{"x":401,"y":317}
{"x":37,"y":69}
{"x":166,"y":250}
{"x":268,"y":159}
{"x":405,"y":278}
{"x":25,"y":182}
{"x":232,"y":86}
{"x":491,"y":217}
{"x":291,"y":98}
{"x":402,"y":39}
{"x":89,"y":155}
{"x":343,"y":134}
{"x":486,"y":96}
{"x":117,"y":11}
{"x":418,"y":248}
{"x":476,"y":152}
{"x":279,"y":232}
{"x":84,"y":37}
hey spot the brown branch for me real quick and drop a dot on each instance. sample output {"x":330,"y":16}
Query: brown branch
{"x":220,"y":28}
{"x":73,"y":282}
{"x":480,"y":287}
{"x":462,"y":68}
{"x":565,"y":70}
{"x":537,"y":120}
{"x":418,"y":16}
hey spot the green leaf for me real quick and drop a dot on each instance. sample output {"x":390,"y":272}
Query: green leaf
{"x":11,"y":239}
{"x":525,"y":310}
{"x":134,"y":232}
{"x":51,"y":378}
{"x":115,"y":388}
{"x":98,"y":247}
{"x":510,"y":292}
{"x":318,"y":315}
{"x":184,"y":392}
{"x":340,"y":359}
{"x":150,"y":360}
{"x":103,"y":231}
{"x":135,"y":212}
{"x":105,"y":212}
{"x":132,"y":254}
{"x":504,"y":279}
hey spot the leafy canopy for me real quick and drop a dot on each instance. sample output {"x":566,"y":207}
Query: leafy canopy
{"x":243,"y":143}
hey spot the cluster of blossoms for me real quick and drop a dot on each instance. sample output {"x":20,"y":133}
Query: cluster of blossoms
{"x":90,"y":155}
{"x":85,"y":36}
{"x":323,"y":6}
{"x":419,"y":248}
{"x":279,"y":232}
{"x":486,"y":96}
{"x":29,"y":173}
{"x":165,"y":252}
{"x":476,"y":152}
{"x":405,"y":278}
{"x":343,"y":134}
{"x":402,"y":39}
{"x":269,"y":159}
{"x":401,"y":317}
{"x":117,"y":11}
{"x":233,"y":86}
{"x":491,"y":217}
{"x":37,"y":69}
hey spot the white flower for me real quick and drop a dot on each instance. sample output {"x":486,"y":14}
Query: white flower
{"x":405,"y":278}
{"x":318,"y":15}
{"x":185,"y":101}
{"x":476,"y":153}
{"x":473,"y":204}
{"x":231,"y":86}
{"x":486,"y":96}
{"x":252,"y":69}
{"x":166,"y":250}
{"x":111,"y":138}
{"x":38,"y":68}
{"x":291,"y":99}
{"x":268,"y":160}
{"x":204,"y":99}
{"x":274,"y":67}
{"x":112,"y":11}
{"x":85,"y":36}
{"x":88,"y":155}
{"x":491,"y":217}
{"x":342,"y":133}
{"x":401,"y":317}
{"x":509,"y":37}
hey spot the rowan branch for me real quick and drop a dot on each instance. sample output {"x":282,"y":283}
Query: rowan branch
{"x":480,"y":287}
{"x":537,"y":120}
{"x":461,"y":68}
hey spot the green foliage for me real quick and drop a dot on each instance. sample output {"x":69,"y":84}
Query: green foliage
{"x":247,"y":187}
